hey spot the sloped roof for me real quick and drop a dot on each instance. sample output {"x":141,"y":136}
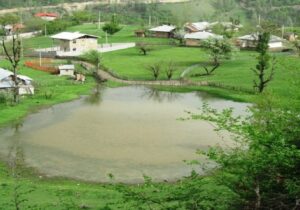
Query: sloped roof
{"x":201,"y":26}
{"x":4,"y":74}
{"x":163,"y":28}
{"x":254,"y":37}
{"x":202,"y":36}
{"x":66,"y":67}
{"x":46,"y":14}
{"x":71,"y":36}
{"x":7,"y":83}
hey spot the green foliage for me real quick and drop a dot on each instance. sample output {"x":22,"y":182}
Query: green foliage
{"x":113,"y":26}
{"x":264,"y":168}
{"x":58,"y":25}
{"x":263,"y":62}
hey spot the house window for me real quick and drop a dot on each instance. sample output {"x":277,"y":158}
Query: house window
{"x":74,"y":41}
{"x":74,"y":49}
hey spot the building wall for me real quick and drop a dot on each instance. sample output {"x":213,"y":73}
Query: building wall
{"x":162,"y":34}
{"x":48,"y":18}
{"x":64,"y":45}
{"x":66,"y":73}
{"x":275,"y":45}
{"x":83,"y":45}
{"x":192,"y":42}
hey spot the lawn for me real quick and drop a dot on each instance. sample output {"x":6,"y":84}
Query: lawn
{"x":50,"y":89}
{"x":236,"y":72}
{"x":131,"y":64}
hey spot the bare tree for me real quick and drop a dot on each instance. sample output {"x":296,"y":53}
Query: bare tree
{"x":13,"y":55}
{"x":155,"y":70}
{"x":170,"y":70}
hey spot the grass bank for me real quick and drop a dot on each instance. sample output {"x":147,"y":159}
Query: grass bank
{"x":50,"y":90}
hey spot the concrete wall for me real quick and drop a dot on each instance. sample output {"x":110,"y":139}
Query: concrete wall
{"x":84,"y":44}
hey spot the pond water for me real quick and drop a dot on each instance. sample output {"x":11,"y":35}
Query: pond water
{"x":128,"y":132}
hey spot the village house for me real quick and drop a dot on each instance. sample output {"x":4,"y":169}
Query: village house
{"x":140,"y":33}
{"x":250,"y":42}
{"x":47,"y":16}
{"x":196,"y":27}
{"x":76,"y":42}
{"x":7,"y":83}
{"x":195,"y":39}
{"x":66,"y":70}
{"x":164,"y":31}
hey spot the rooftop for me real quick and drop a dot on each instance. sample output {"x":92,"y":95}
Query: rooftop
{"x":163,"y":28}
{"x":72,"y":36}
{"x":202,"y":36}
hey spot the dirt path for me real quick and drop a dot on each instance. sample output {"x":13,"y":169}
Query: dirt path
{"x":107,"y":76}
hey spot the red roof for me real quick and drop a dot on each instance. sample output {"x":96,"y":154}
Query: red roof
{"x":45,"y":14}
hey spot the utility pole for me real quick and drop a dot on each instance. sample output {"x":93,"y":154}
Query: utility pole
{"x":150,"y":20}
{"x":106,"y":38}
{"x":282,"y":31}
{"x":99,"y":21}
{"x":21,"y":40}
{"x":45,"y":29}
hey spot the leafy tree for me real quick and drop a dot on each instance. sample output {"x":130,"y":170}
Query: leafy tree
{"x":93,"y":57}
{"x":264,"y":63}
{"x":218,"y":50}
{"x":112,"y":27}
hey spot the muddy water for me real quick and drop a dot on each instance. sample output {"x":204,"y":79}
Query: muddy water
{"x":127,"y":132}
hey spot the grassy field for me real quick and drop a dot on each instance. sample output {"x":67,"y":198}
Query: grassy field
{"x":236,"y":72}
{"x":50,"y":89}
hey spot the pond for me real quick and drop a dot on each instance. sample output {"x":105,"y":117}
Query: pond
{"x":128,"y":132}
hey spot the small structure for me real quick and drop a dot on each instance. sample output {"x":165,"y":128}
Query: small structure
{"x":76,"y":42}
{"x":10,"y":29}
{"x":66,"y":70}
{"x":196,"y":27}
{"x":140,"y":33}
{"x":251,"y":41}
{"x":47,"y":16}
{"x":194,"y":39}
{"x":7,"y":83}
{"x":290,"y":36}
{"x":164,"y":31}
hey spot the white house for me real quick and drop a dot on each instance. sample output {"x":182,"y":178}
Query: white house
{"x":251,"y":40}
{"x":194,"y":39}
{"x":76,"y":42}
{"x":47,"y":16}
{"x":25,"y":83}
{"x":164,"y":31}
{"x":66,"y":70}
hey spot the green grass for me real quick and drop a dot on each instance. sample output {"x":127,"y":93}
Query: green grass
{"x":131,"y":64}
{"x":61,"y":89}
{"x":236,"y":72}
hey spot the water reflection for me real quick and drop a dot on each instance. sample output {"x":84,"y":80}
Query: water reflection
{"x":128,"y":132}
{"x":160,"y":96}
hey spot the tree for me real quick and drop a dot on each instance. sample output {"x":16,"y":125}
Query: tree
{"x":143,"y":47}
{"x":93,"y":57}
{"x":170,"y":70}
{"x":264,"y":63}
{"x":13,"y":55}
{"x":112,"y":27}
{"x":155,"y":70}
{"x":217,"y":49}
